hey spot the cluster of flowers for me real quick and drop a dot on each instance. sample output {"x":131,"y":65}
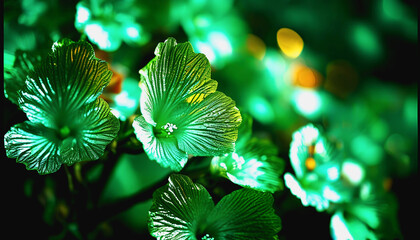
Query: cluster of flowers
{"x":353,"y":192}
{"x":182,"y":114}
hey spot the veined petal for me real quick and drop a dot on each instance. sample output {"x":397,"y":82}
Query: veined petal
{"x":35,"y":146}
{"x":209,"y":127}
{"x":96,"y":127}
{"x":181,"y":109}
{"x":244,"y":214}
{"x":70,"y":77}
{"x":174,"y":75}
{"x":164,"y":150}
{"x":16,"y":75}
{"x":179,"y":209}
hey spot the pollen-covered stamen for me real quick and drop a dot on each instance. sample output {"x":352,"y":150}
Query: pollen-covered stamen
{"x":167,"y":130}
{"x":207,"y":237}
{"x":310,"y":162}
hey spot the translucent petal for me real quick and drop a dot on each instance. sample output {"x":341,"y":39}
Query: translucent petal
{"x":179,"y":209}
{"x":163,"y":150}
{"x":181,"y":109}
{"x":244,"y":214}
{"x":33,"y":145}
{"x":254,"y":164}
{"x":175,"y":74}
{"x":15,"y":76}
{"x":96,"y":127}
{"x":209,"y":127}
{"x":349,"y":228}
{"x":70,"y":77}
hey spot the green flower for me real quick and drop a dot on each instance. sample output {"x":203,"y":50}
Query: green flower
{"x":317,"y":168}
{"x":67,"y":122}
{"x":216,"y":29}
{"x":254,"y":163}
{"x":182,"y":111}
{"x":108,"y":23}
{"x":349,"y":228}
{"x":184,"y":210}
{"x":373,"y":218}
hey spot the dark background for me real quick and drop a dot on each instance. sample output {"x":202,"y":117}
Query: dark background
{"x":324,"y":27}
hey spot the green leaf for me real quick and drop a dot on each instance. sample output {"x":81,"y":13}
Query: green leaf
{"x":179,"y":208}
{"x":33,"y":145}
{"x":179,"y":101}
{"x":244,"y":214}
{"x":70,"y":77}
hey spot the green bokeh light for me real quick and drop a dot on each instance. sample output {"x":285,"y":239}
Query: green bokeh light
{"x":261,"y":109}
{"x":366,"y":40}
{"x":367,"y":150}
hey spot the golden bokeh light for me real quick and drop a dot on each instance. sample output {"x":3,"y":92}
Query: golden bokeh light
{"x":290,"y":42}
{"x":306,"y":77}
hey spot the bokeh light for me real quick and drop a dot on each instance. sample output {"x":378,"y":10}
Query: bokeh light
{"x":307,"y":102}
{"x":366,"y":40}
{"x":305,"y":77}
{"x":289,"y":42}
{"x":256,"y":46}
{"x":344,"y":67}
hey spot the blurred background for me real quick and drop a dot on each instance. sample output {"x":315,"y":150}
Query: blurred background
{"x":349,"y":66}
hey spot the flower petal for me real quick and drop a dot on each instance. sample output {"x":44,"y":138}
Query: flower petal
{"x":69,"y":78}
{"x":33,"y":145}
{"x":97,"y":128}
{"x":163,"y":150}
{"x":179,"y":99}
{"x":15,"y":75}
{"x":209,"y":127}
{"x":343,"y":228}
{"x":174,"y":75}
{"x":244,"y":214}
{"x":179,"y":209}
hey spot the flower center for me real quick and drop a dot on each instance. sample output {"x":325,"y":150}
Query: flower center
{"x":64,"y":132}
{"x":310,"y":163}
{"x":207,"y":237}
{"x":166,"y":130}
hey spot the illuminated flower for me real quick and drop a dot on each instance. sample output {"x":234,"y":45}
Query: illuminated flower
{"x":67,"y":122}
{"x":215,"y":29}
{"x":182,"y":113}
{"x":254,"y":163}
{"x":317,"y":169}
{"x":374,"y":218}
{"x":185,"y":210}
{"x":108,"y":23}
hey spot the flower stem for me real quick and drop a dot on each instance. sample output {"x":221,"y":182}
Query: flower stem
{"x":69,"y":179}
{"x":95,"y":216}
